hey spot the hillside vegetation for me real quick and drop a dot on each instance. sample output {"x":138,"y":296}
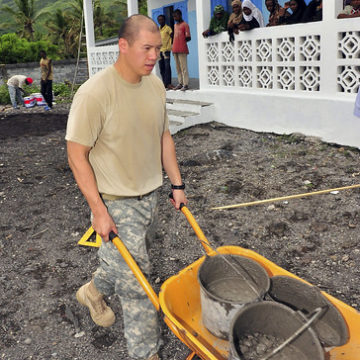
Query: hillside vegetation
{"x":55,"y":26}
{"x":50,"y":6}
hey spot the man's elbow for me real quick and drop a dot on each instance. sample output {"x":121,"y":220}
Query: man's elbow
{"x":76,"y":152}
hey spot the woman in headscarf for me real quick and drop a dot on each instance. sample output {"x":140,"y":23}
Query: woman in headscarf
{"x":218,"y":22}
{"x":297,"y":7}
{"x":252,"y":16}
{"x":234,"y":19}
{"x":275,"y":10}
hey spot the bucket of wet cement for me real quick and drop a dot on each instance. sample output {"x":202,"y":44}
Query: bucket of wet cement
{"x":227,"y":283}
{"x":259,"y":328}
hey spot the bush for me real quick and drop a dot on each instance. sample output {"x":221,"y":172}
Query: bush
{"x":17,"y":50}
{"x":4,"y":95}
{"x":61,"y":89}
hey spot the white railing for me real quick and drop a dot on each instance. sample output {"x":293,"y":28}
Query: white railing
{"x":314,"y":58}
{"x":102,"y":56}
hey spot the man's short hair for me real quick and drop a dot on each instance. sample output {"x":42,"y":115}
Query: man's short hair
{"x":178,"y":11}
{"x":133,"y":24}
{"x":161,"y":15}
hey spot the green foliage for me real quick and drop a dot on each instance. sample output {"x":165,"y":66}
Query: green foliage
{"x":24,"y":15}
{"x":4,"y":95}
{"x":57,"y":24}
{"x":14,"y":50}
{"x":143,"y":7}
{"x":62,"y":92}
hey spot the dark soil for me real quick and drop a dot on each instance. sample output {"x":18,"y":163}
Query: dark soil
{"x":43,"y":215}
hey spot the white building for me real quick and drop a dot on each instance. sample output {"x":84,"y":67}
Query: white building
{"x":295,"y":78}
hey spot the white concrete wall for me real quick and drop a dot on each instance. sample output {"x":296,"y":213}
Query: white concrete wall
{"x":330,"y":119}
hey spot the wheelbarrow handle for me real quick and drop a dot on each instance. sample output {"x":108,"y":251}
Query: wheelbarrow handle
{"x":135,"y":269}
{"x":199,"y":233}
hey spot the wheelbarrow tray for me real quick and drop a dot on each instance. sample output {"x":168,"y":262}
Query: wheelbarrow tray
{"x":180,"y":302}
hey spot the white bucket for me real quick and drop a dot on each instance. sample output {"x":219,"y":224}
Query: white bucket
{"x":39,"y":99}
{"x":29,"y":101}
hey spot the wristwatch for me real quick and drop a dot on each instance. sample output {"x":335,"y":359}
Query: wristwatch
{"x":178,"y":187}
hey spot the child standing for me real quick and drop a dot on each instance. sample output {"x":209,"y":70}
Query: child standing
{"x":180,"y":50}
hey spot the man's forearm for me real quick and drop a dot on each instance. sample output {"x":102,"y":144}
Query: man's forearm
{"x":169,"y":159}
{"x":171,"y":167}
{"x":78,"y":156}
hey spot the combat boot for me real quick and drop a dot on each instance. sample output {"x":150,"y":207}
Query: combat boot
{"x":89,"y":296}
{"x":154,"y":357}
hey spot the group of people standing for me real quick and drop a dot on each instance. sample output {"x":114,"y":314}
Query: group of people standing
{"x":246,"y":16}
{"x":175,"y":42}
{"x":17,"y":82}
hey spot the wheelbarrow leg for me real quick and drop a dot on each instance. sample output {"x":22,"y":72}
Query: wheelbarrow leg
{"x":193,"y":356}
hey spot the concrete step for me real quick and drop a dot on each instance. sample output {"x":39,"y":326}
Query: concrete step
{"x":184,"y":111}
{"x":185,"y":105}
{"x":181,"y":113}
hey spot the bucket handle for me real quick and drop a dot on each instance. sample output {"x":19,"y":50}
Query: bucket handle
{"x":315,"y":315}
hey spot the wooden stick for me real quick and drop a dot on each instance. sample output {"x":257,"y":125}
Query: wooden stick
{"x":258,"y":202}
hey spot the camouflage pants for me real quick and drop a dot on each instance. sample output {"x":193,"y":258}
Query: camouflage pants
{"x":133,"y":218}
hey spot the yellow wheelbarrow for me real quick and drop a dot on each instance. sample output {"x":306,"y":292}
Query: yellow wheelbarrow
{"x":179,"y":302}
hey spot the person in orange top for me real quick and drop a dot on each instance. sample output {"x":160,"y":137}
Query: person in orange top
{"x":180,"y":50}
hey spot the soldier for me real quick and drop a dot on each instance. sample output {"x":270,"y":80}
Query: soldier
{"x":117,"y":141}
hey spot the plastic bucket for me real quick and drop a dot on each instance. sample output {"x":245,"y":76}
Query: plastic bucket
{"x":29,"y":101}
{"x":227,"y":283}
{"x":39,"y":99}
{"x":259,"y":328}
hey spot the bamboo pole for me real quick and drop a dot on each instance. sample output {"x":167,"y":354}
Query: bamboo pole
{"x":282,"y":198}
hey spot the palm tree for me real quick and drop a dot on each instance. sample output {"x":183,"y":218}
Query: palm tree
{"x":58,"y":27}
{"x":25,"y":17}
{"x":75,"y":30}
{"x":123,"y":7}
{"x":101,"y":19}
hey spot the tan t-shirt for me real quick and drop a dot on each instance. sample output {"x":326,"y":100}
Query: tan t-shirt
{"x":17,"y":81}
{"x":123,"y":124}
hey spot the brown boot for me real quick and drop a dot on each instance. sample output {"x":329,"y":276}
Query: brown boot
{"x":154,"y":357}
{"x":89,"y":296}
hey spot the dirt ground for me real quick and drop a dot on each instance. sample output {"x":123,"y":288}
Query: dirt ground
{"x":43,"y":216}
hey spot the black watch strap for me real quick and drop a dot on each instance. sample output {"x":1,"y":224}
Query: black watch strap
{"x":178,"y":187}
